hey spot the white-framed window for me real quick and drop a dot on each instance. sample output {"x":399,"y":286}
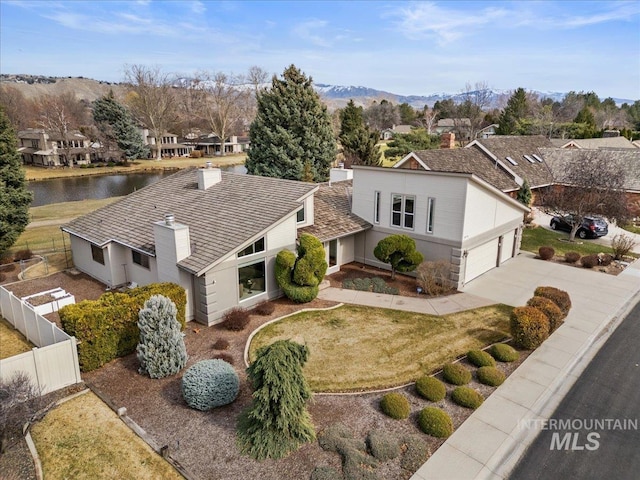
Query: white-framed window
{"x":140,"y":259}
{"x":431,"y":207}
{"x":97,"y":254}
{"x":300,"y":215}
{"x":251,"y":279}
{"x":402,"y":210}
{"x":376,"y":207}
{"x":255,"y":247}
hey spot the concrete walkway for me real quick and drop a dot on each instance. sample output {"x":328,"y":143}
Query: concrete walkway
{"x":490,"y":442}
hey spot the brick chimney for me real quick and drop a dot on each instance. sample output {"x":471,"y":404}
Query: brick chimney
{"x":448,"y":140}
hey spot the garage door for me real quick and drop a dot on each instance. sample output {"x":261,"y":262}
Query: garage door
{"x":481,"y":259}
{"x":507,"y":246}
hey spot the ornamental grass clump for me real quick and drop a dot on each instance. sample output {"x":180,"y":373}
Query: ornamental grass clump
{"x":529,"y":327}
{"x":557,"y":296}
{"x":480,"y":358}
{"x":435,"y":422}
{"x":550,"y":309}
{"x":504,"y":353}
{"x":209,"y":384}
{"x":490,"y":376}
{"x":235,"y":319}
{"x":456,"y":374}
{"x":431,"y":388}
{"x":395,"y":405}
{"x":467,"y":397}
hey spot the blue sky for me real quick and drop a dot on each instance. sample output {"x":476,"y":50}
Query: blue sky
{"x":405,"y":48}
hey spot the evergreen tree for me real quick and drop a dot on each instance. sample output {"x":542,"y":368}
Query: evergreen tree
{"x":161,"y":349}
{"x":400,"y":252}
{"x":277,"y":422}
{"x":418,"y":139}
{"x":351,"y":120}
{"x":360,"y":144}
{"x":515,"y":111}
{"x":15,"y":199}
{"x":291,"y":127}
{"x":585,"y":117}
{"x":524,"y":194}
{"x":117,"y":125}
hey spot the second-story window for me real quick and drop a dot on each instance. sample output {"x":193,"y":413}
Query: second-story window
{"x":402,"y":210}
{"x":376,"y":207}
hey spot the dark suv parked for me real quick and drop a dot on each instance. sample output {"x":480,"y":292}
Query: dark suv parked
{"x":591,"y":227}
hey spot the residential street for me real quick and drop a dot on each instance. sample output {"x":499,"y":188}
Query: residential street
{"x":608,"y":389}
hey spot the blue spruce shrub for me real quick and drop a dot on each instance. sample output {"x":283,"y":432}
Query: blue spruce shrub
{"x":161,"y":349}
{"x":209,"y":384}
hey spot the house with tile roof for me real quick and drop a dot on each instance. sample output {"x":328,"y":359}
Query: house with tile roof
{"x":217,"y":234}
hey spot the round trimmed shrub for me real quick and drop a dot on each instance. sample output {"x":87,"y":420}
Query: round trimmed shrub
{"x":480,"y":358}
{"x":529,"y":327}
{"x":431,"y":388}
{"x":504,"y":353}
{"x":209,"y":384}
{"x":456,"y":374}
{"x":546,"y":253}
{"x":395,"y":405}
{"x":589,"y":261}
{"x":557,"y":296}
{"x":490,"y":376}
{"x":435,"y":422}
{"x":572,"y":257}
{"x":605,"y":259}
{"x":550,"y":309}
{"x":467,"y":397}
{"x":235,"y":319}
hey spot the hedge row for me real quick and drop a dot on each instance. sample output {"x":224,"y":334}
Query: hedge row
{"x":107,"y":328}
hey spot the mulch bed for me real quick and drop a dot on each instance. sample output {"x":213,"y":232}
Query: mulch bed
{"x":614,"y":268}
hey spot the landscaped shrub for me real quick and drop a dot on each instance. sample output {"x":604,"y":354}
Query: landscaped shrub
{"x":590,"y":261}
{"x":605,"y":259}
{"x":431,"y":388}
{"x":434,"y":277}
{"x":221,"y":344}
{"x":557,"y":296}
{"x":375,"y":284}
{"x":356,"y":463}
{"x":504,"y":353}
{"x":264,"y":308}
{"x":235,"y":319}
{"x":383,"y":445}
{"x":209,"y":384}
{"x":299,"y":276}
{"x":25,"y":254}
{"x":107,"y":328}
{"x":400,"y":252}
{"x":546,"y":253}
{"x":622,"y":244}
{"x":416,"y":452}
{"x":467,"y":397}
{"x":161,"y":350}
{"x":572,"y":257}
{"x":395,"y":405}
{"x":550,"y":309}
{"x":6,"y":258}
{"x":480,"y":358}
{"x":456,"y":374}
{"x":490,"y":376}
{"x":529,"y":327}
{"x":435,"y":422}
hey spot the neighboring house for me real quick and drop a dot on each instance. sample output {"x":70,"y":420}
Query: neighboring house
{"x":210,"y":144}
{"x":452,"y":125}
{"x":503,"y":161}
{"x":388,"y":133}
{"x":48,"y":149}
{"x":626,"y":160}
{"x":591,"y":143}
{"x":487,"y":131}
{"x":169,"y":145}
{"x":456,"y":217}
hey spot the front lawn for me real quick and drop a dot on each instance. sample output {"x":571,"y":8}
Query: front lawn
{"x":354,"y":348}
{"x":534,"y":238}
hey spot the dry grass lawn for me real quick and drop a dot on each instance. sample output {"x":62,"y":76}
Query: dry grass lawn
{"x":84,"y":439}
{"x":354,"y":348}
{"x":12,"y":341}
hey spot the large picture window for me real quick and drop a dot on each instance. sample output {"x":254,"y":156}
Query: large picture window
{"x":140,"y":259}
{"x":251,"y":279}
{"x":97,"y":254}
{"x":256,"y":247}
{"x":402,"y":211}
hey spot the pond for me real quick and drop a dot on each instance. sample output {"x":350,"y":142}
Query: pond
{"x":70,"y":189}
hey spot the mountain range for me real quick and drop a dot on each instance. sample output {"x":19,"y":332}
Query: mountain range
{"x":335,"y":96}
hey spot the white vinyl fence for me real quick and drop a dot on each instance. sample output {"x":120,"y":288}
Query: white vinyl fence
{"x":53,"y":363}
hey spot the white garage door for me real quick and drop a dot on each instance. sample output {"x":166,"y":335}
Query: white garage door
{"x":507,"y":246}
{"x":481,"y":259}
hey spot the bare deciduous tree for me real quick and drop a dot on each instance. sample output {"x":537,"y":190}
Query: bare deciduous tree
{"x":19,"y":400}
{"x":60,"y":116}
{"x":22,"y":113}
{"x":428,"y":118}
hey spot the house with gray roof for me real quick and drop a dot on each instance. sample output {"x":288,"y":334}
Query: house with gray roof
{"x":591,"y":143}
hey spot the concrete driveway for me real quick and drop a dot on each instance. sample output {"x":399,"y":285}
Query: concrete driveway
{"x":542,"y":219}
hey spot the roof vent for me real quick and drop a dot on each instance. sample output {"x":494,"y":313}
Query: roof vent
{"x":169,"y":219}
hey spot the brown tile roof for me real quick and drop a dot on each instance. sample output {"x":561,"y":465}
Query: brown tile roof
{"x":221,"y":219}
{"x":332,"y":213}
{"x":516,"y":146}
{"x":625,"y":159}
{"x":468,"y":160}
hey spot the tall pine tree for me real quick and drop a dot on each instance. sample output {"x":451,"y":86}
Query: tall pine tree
{"x":117,"y":125}
{"x":292,"y":127}
{"x":359,"y":143}
{"x":516,"y":110}
{"x":15,"y":199}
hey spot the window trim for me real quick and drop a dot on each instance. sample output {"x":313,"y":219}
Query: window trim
{"x":95,"y":256}
{"x":431,"y":206}
{"x":403,"y":213}
{"x":377,"y":195}
{"x":144,"y":259}
{"x":255,"y":261}
{"x":304,"y":216}
{"x":254,"y":251}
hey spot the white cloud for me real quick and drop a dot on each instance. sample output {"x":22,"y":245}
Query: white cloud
{"x":308,"y":31}
{"x":198,"y":7}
